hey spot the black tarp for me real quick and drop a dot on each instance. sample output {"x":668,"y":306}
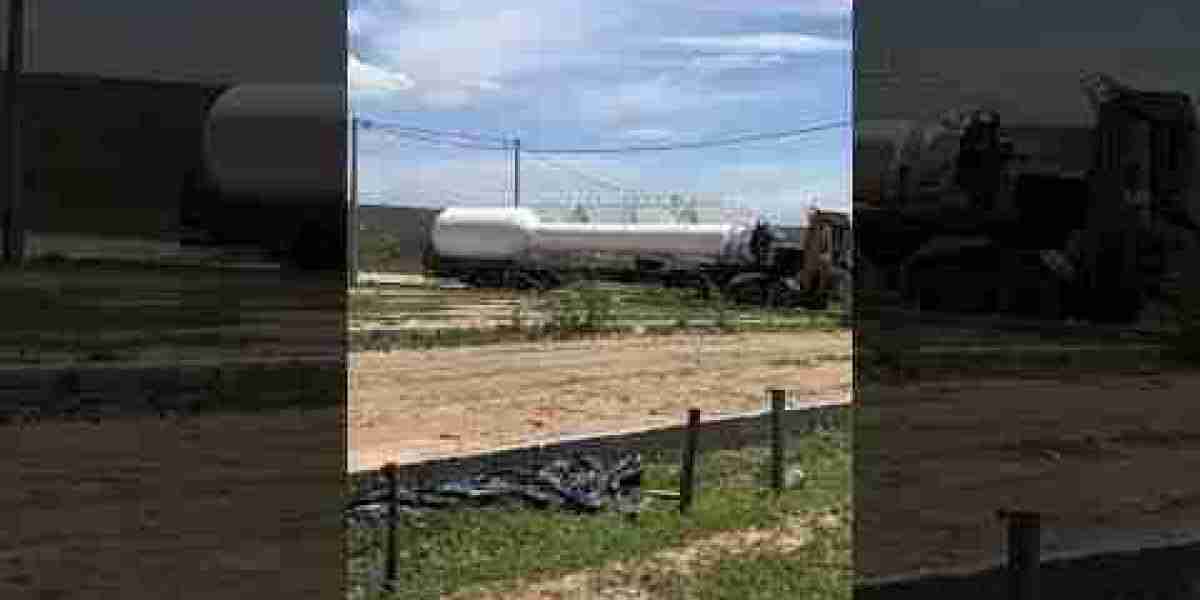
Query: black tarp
{"x":584,"y":484}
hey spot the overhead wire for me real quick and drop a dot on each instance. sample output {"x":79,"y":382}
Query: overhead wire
{"x":691,"y":145}
{"x":595,"y":180}
{"x":377,"y":123}
{"x":445,"y":137}
{"x":455,"y":139}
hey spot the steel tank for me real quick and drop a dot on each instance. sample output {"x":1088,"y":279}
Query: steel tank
{"x":518,"y":234}
{"x":484,"y":233}
{"x":275,"y":173}
{"x":278,"y":141}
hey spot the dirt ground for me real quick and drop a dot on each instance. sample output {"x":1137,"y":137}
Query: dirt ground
{"x":1107,"y":460}
{"x":203,"y":507}
{"x":414,"y":405}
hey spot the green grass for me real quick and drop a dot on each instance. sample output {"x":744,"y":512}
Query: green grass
{"x":452,"y":337}
{"x":495,"y":549}
{"x":579,"y":312}
{"x":773,"y":577}
{"x":106,"y":311}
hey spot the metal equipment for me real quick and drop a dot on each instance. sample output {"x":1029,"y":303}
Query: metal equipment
{"x":748,"y":262}
{"x":957,"y":221}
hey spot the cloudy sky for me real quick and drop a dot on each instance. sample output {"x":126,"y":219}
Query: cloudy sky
{"x":576,"y":74}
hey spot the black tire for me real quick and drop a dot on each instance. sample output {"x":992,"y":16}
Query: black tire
{"x":763,"y":292}
{"x":818,"y":301}
{"x":525,"y":280}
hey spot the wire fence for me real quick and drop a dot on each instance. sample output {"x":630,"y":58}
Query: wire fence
{"x":382,"y":546}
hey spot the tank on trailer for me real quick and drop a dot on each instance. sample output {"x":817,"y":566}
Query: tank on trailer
{"x":513,"y":247}
{"x":275,"y":173}
{"x":278,"y":141}
{"x":518,"y":234}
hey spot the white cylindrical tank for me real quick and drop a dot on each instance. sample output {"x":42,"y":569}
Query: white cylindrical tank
{"x":512,"y":233}
{"x":484,"y":233}
{"x":278,"y":140}
{"x":683,"y":240}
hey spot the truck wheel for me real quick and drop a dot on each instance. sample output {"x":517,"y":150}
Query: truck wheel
{"x":524,"y":280}
{"x":816,"y":302}
{"x":762,"y":291}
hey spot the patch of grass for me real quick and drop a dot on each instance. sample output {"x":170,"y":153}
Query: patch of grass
{"x":585,"y":308}
{"x":366,"y":303}
{"x":269,"y":389}
{"x":498,"y":549}
{"x":457,"y":337}
{"x":819,"y":570}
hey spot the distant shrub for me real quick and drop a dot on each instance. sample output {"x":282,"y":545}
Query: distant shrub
{"x":583,"y":308}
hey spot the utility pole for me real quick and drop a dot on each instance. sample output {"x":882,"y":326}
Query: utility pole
{"x":14,"y":236}
{"x":352,"y":214}
{"x":516,"y":172}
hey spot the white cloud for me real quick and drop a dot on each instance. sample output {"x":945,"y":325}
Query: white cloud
{"x":726,"y":62}
{"x":763,"y":42}
{"x":816,"y":8}
{"x":800,"y":8}
{"x":649,"y":134}
{"x":459,"y":55}
{"x":365,"y":77}
{"x":633,"y":104}
{"x":575,"y":73}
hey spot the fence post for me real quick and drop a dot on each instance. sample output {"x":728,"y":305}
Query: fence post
{"x":778,"y":405}
{"x":389,"y":471}
{"x":687,"y":475}
{"x":1024,"y":553}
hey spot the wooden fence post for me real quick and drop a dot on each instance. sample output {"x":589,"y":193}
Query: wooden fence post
{"x":1024,"y":553}
{"x":687,"y":474}
{"x":778,"y":405}
{"x":390,"y":568}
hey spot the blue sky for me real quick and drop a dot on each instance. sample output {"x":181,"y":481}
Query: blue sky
{"x":569,"y":73}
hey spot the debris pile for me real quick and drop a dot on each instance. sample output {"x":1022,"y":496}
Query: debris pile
{"x":580,"y":484}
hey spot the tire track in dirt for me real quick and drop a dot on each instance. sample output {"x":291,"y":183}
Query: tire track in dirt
{"x":412,"y":405}
{"x":1100,"y":457}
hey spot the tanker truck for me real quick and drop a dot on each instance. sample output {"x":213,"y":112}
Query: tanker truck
{"x":273,"y":175}
{"x":746,"y":262}
{"x":955,"y":219}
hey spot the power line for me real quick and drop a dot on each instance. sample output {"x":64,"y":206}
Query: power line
{"x":441,"y":137}
{"x":691,"y":145}
{"x":445,"y":142}
{"x":411,"y":141}
{"x":571,"y":170}
{"x":377,"y":124}
{"x":429,"y":189}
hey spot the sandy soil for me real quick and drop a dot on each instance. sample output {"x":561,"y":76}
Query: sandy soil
{"x":1106,"y":459}
{"x":412,"y":405}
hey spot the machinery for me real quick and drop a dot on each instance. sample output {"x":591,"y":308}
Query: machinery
{"x":749,"y":262}
{"x":956,"y":220}
{"x":274,"y":174}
